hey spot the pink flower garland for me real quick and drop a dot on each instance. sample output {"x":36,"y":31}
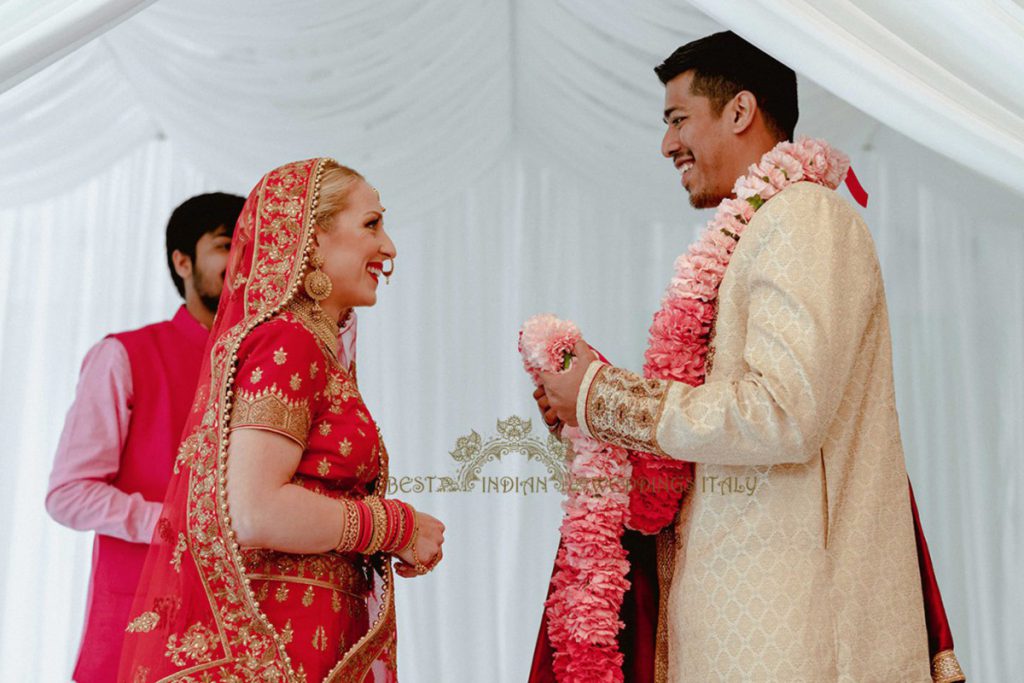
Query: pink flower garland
{"x":680,"y":333}
{"x":591,"y":566}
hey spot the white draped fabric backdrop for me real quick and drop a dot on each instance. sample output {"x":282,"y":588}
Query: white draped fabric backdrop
{"x":516,"y":146}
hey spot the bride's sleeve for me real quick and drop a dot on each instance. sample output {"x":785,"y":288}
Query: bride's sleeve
{"x":279,"y":381}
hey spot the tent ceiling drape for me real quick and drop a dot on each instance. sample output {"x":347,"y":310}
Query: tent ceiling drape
{"x":240,"y":87}
{"x":36,"y":33}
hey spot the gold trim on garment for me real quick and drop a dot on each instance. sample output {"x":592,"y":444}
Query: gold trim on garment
{"x":343,"y":573}
{"x":316,"y":321}
{"x":624,"y":409}
{"x":665,"y":559}
{"x":946,"y":668}
{"x":270,"y":409}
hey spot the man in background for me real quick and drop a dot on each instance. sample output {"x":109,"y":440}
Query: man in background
{"x":116,"y":452}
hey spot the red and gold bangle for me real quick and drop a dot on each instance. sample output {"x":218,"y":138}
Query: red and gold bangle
{"x":408,"y":526}
{"x":396,"y":513}
{"x":389,"y":530}
{"x":350,"y":530}
{"x":374,"y":525}
{"x":380,"y":524}
{"x":365,"y":527}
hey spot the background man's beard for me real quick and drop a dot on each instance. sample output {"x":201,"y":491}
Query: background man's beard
{"x":210,"y":303}
{"x":209,"y":300}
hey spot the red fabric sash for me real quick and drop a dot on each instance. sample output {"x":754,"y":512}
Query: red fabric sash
{"x":858,"y":192}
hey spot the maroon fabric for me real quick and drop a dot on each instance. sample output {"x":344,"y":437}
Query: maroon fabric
{"x":639,"y":614}
{"x":940,"y":637}
{"x":640,"y":608}
{"x":542,"y":670}
{"x":165,"y":359}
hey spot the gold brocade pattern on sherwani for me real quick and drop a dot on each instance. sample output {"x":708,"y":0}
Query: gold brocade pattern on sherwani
{"x":795,"y":438}
{"x":623,"y":408}
{"x":946,"y":668}
{"x":270,"y":409}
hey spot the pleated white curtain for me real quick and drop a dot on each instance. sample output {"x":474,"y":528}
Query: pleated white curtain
{"x":515,"y":144}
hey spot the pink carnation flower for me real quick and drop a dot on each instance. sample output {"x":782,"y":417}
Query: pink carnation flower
{"x":543,"y":340}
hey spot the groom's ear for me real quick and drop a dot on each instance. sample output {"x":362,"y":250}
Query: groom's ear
{"x":741,"y":111}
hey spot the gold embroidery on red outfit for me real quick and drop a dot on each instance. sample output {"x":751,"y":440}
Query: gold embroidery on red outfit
{"x":193,"y":647}
{"x":144,"y":623}
{"x":271,"y":409}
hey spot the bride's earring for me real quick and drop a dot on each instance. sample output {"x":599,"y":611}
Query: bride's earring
{"x":317,"y":283}
{"x":388,"y":273}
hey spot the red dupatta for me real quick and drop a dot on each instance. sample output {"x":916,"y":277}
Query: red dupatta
{"x":194,"y":613}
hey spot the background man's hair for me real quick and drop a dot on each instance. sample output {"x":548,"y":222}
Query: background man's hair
{"x":723,"y":64}
{"x":194,"y":218}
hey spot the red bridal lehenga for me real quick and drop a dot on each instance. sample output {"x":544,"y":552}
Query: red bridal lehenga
{"x":207,"y":609}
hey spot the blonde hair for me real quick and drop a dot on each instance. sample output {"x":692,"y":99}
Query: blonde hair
{"x":336,"y":184}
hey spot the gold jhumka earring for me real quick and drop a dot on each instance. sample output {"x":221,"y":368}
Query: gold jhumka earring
{"x":317,"y":283}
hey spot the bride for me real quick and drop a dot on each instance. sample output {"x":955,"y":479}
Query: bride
{"x":272,"y":558}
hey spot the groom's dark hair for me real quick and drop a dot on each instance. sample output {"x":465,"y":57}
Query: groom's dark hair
{"x":724,"y":64}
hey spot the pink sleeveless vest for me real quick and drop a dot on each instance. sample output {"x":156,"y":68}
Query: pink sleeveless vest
{"x":165,"y":359}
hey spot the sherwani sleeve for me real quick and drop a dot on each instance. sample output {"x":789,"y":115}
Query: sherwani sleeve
{"x":811,"y":283}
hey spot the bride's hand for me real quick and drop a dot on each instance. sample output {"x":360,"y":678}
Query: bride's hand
{"x":429,"y":540}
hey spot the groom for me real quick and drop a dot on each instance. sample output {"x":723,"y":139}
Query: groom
{"x":813,"y":573}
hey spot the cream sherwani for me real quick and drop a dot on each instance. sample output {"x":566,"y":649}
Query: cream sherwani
{"x":795,"y":556}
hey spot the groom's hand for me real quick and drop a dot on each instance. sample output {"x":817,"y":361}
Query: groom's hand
{"x":562,"y":388}
{"x":551,"y":420}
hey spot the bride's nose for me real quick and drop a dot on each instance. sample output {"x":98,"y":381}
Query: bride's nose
{"x":387,"y":247}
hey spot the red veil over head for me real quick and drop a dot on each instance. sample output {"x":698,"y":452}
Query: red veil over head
{"x":195,"y":614}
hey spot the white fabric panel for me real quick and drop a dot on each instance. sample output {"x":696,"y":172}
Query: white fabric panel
{"x":946,"y":73}
{"x":36,"y":33}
